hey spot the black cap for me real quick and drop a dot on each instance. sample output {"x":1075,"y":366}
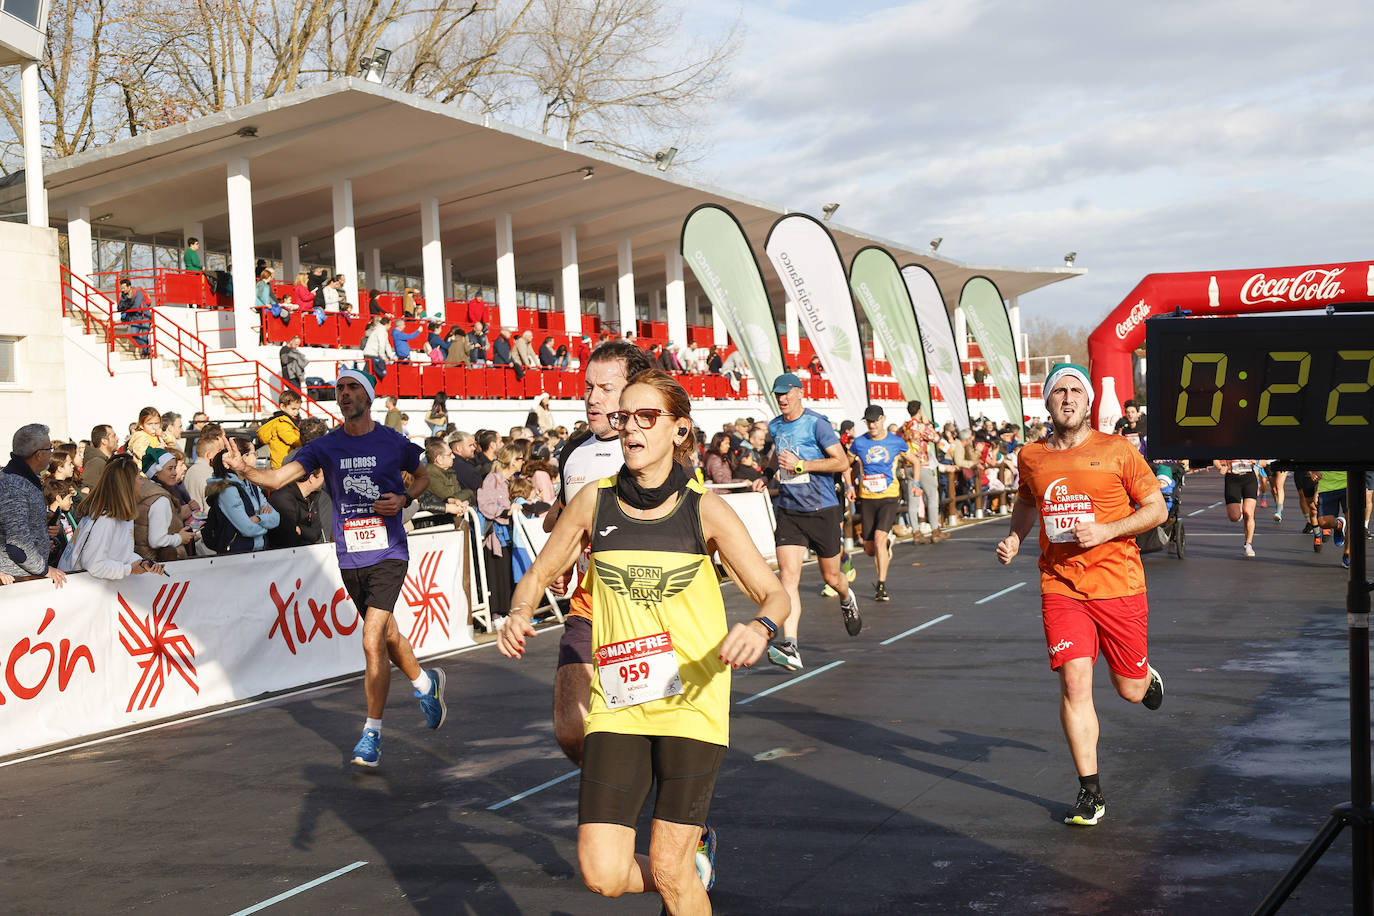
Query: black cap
{"x":872,"y":412}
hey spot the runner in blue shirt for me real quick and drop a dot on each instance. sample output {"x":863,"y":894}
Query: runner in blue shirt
{"x":878,"y":452}
{"x":808,"y":513}
{"x":362,"y":463}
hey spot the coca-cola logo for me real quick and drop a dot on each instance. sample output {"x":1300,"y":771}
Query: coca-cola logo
{"x":1139,"y":312}
{"x":1314,"y":285}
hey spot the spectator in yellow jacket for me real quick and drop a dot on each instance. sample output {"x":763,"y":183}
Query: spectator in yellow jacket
{"x":280,"y":433}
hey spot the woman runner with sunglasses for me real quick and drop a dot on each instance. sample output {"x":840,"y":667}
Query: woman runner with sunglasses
{"x":661,"y":696}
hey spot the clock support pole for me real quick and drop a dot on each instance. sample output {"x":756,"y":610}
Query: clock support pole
{"x":1355,"y":814}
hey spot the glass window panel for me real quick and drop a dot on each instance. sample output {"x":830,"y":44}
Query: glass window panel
{"x":9,"y":347}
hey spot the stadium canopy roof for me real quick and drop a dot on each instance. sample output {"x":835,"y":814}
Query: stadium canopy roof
{"x":399,"y":149}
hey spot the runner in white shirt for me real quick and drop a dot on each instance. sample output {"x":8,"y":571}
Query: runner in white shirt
{"x":1242,"y":492}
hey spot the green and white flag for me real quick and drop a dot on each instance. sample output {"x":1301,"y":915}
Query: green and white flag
{"x":937,"y":339}
{"x":880,"y":291}
{"x":990,"y":326}
{"x":808,"y":262}
{"x":716,"y":249}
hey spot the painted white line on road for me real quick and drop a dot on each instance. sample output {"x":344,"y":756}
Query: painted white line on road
{"x":928,"y":623}
{"x":1009,"y":588}
{"x":297,"y":890}
{"x":528,"y":792}
{"x":789,"y":683}
{"x":1213,"y":505}
{"x":1196,"y":511}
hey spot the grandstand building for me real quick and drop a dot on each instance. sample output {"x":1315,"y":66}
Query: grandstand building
{"x":394,"y":192}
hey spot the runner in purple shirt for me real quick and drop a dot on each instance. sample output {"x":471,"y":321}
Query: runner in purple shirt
{"x":362,"y":463}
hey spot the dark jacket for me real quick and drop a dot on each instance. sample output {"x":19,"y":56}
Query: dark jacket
{"x":293,"y":362}
{"x":547,"y":358}
{"x":500,"y":352}
{"x":466,"y":474}
{"x":300,"y":518}
{"x":93,"y":463}
{"x":23,"y":521}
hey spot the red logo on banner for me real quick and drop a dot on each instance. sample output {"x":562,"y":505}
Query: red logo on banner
{"x":63,"y":657}
{"x":424,"y":594}
{"x":293,"y":629}
{"x":157,"y":644}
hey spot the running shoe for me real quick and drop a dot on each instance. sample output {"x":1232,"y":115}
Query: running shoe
{"x":1154,"y":694}
{"x":827,"y":591}
{"x":1088,"y":810}
{"x":1316,"y":539}
{"x":785,"y":655}
{"x":847,"y":567}
{"x":853,"y":623}
{"x":1345,"y":561}
{"x":1278,"y":514}
{"x":1264,"y":502}
{"x":1249,"y":551}
{"x":880,"y":593}
{"x":432,"y":703}
{"x":706,"y":858}
{"x":1307,"y":529}
{"x":368,"y":751}
{"x":1339,"y":534}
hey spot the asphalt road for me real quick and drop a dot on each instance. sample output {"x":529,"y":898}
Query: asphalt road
{"x":923,"y":772}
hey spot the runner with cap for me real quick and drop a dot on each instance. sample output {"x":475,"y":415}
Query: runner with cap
{"x":362,"y":462}
{"x":878,"y":452}
{"x":807,"y":511}
{"x":1092,"y":583}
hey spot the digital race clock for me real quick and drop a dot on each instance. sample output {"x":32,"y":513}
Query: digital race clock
{"x":1299,"y":388}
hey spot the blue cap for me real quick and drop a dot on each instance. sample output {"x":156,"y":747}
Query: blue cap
{"x":786,"y":382}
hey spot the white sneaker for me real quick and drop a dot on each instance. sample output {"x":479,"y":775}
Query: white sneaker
{"x":1249,"y":551}
{"x":978,"y":514}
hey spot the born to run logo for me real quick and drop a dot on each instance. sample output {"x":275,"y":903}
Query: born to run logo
{"x":157,"y":644}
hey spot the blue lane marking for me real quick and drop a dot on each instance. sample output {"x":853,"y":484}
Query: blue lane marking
{"x":928,"y":623}
{"x":298,"y":890}
{"x":528,"y":792}
{"x":801,"y":677}
{"x":1009,"y":588}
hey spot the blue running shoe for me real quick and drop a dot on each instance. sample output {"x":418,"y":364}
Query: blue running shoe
{"x":706,"y":858}
{"x":432,"y":704}
{"x":368,"y":751}
{"x":1345,"y":561}
{"x":1339,"y":532}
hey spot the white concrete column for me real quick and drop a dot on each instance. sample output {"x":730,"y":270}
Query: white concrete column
{"x":374,"y":268}
{"x":35,"y":195}
{"x":345,"y":239}
{"x":291,"y":259}
{"x":676,"y":293}
{"x":79,"y":256}
{"x":721,"y":338}
{"x":431,"y":256}
{"x":625,"y":285}
{"x":612,"y":310}
{"x":570,"y":282}
{"x":242,"y":256}
{"x":793,"y":319}
{"x":505,"y":271}
{"x":961,"y":332}
{"x":655,"y":305}
{"x":448,"y":279}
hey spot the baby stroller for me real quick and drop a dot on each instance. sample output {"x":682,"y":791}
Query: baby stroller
{"x":1170,"y":477}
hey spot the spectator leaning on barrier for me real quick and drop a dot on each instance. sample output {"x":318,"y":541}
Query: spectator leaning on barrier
{"x":501,"y":354}
{"x":459,"y":350}
{"x":547,"y":357}
{"x":477,"y":343}
{"x":104,"y":441}
{"x":377,"y":349}
{"x":104,"y":542}
{"x":444,"y":494}
{"x":522,"y":352}
{"x":160,"y":531}
{"x":23,"y":516}
{"x":242,"y":504}
{"x":280,"y":433}
{"x":298,"y":505}
{"x":465,"y":473}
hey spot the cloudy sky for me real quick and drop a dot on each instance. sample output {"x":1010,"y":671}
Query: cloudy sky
{"x":1147,"y":137}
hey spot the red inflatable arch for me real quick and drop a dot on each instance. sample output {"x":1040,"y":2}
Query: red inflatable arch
{"x":1216,"y":292}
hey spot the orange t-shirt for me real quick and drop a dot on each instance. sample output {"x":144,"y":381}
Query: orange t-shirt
{"x":1099,"y":480}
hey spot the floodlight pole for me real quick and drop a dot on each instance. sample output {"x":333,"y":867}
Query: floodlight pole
{"x":1356,"y":813}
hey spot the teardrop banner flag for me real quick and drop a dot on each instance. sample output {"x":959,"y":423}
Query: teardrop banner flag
{"x":716,"y":249}
{"x":879,"y":290}
{"x":937,"y":340}
{"x":808,"y":262}
{"x":990,"y":325}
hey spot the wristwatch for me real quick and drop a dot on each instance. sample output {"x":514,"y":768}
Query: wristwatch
{"x":800,"y":468}
{"x":409,"y":499}
{"x":768,"y":625}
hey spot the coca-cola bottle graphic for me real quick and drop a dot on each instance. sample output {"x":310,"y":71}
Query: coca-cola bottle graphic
{"x":1108,"y":406}
{"x":1369,"y":281}
{"x":1213,"y":297}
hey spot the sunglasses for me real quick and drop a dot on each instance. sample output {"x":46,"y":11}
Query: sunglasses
{"x":644,"y":419}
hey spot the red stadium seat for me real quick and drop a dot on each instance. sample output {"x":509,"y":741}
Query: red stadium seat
{"x":432,"y":380}
{"x":386,"y":385}
{"x":351,"y":331}
{"x":407,"y":380}
{"x":314,"y":334}
{"x":455,"y":381}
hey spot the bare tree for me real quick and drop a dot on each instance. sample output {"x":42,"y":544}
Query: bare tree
{"x":1048,"y":336}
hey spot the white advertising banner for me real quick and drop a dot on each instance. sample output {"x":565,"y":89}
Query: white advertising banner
{"x":808,"y":262}
{"x":937,"y":337}
{"x":97,"y":656}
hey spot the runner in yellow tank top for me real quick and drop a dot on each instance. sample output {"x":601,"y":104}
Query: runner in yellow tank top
{"x":661,"y":695}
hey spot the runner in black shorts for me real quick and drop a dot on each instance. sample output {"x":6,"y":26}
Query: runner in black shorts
{"x":1242,"y":489}
{"x":362,"y":463}
{"x":877,"y":453}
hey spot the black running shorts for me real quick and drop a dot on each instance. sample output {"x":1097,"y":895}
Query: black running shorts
{"x":878,"y":514}
{"x":1305,"y":484}
{"x":618,"y":771}
{"x":575,"y":648}
{"x":376,"y":586}
{"x":1241,"y":487}
{"x":818,"y":530}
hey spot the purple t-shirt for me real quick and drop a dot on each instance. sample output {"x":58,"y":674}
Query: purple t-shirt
{"x":357,"y":470}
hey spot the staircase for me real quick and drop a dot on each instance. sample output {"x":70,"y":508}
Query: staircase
{"x":232,"y":383}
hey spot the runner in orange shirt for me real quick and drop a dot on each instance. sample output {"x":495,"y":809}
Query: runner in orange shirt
{"x":1086,"y":486}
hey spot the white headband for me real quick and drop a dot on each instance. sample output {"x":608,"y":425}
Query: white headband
{"x":1062,"y":369}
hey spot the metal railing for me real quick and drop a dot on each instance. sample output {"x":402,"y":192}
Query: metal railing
{"x":99,"y":315}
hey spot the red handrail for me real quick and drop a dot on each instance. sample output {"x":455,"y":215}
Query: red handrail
{"x":97,"y":310}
